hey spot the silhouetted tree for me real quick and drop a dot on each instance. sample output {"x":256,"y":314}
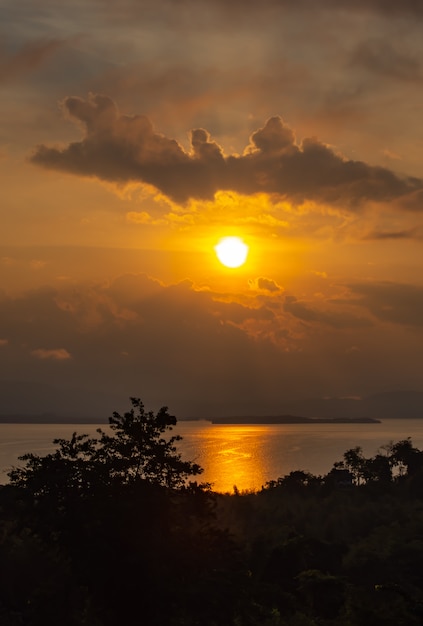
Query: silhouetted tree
{"x":139,"y":449}
{"x":378,"y":469}
{"x":406,"y":458}
{"x":355,"y":462}
{"x":109,"y":530}
{"x":295,"y":480}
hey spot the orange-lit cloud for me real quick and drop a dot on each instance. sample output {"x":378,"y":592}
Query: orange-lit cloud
{"x":176,"y":343}
{"x":265,"y":284}
{"x":142,"y":217}
{"x":124,"y":149}
{"x":56,"y":354}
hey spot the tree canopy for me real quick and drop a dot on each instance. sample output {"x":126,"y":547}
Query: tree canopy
{"x":138,"y":449}
{"x":109,"y":530}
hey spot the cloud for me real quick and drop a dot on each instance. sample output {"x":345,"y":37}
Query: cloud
{"x":335,"y":319}
{"x":248,"y":7}
{"x":386,"y":7}
{"x":412,"y":202}
{"x":125,"y":149}
{"x":203,"y":93}
{"x":29,"y":58}
{"x":265,"y":284}
{"x":57,"y":354}
{"x":37,"y":264}
{"x":384,"y":58}
{"x":397,"y":303}
{"x":144,"y":218}
{"x":141,"y":336}
{"x":195,"y":351}
{"x":411,"y":233}
{"x":412,"y":7}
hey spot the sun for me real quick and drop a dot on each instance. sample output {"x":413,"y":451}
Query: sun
{"x":231,"y":251}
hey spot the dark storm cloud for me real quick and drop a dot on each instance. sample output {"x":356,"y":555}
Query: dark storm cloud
{"x":335,"y":319}
{"x":124,"y":149}
{"x":393,"y":302}
{"x":26,"y":59}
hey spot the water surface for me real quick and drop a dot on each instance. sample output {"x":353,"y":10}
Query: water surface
{"x":243,"y":455}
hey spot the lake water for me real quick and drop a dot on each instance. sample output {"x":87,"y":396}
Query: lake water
{"x":243,"y":455}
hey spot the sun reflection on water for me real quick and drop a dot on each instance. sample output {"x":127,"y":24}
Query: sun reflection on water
{"x":233,"y":456}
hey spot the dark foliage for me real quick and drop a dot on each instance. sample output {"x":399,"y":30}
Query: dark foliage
{"x":110,"y":530}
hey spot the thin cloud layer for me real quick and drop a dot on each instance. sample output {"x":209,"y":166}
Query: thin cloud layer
{"x":384,"y":7}
{"x":27,"y":59}
{"x":412,"y":233}
{"x":123,"y":149}
{"x":308,"y":314}
{"x":384,"y":58}
{"x":397,"y":303}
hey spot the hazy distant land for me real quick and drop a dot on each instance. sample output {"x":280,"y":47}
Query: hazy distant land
{"x":22,"y":402}
{"x":41,"y":404}
{"x":238,"y":419}
{"x":292,"y":419}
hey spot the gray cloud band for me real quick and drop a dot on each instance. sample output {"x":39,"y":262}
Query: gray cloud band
{"x":123,"y":149}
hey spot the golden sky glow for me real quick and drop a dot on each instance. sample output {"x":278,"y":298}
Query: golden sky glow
{"x":137,"y":134}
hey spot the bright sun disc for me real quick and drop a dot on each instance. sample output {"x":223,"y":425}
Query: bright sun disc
{"x":231,"y":251}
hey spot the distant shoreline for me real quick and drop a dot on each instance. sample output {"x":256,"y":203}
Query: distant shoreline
{"x":241,"y":419}
{"x":293,"y":419}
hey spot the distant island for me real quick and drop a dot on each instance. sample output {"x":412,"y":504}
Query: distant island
{"x":292,"y":419}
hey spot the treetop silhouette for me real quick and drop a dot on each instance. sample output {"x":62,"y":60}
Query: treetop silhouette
{"x":138,"y":449}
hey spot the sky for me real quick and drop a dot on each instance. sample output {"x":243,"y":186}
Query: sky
{"x":136,"y":134}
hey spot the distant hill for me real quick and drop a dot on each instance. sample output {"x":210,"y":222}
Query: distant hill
{"x":388,"y":405}
{"x":292,"y":419}
{"x":40,"y":402}
{"x":381,"y":406}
